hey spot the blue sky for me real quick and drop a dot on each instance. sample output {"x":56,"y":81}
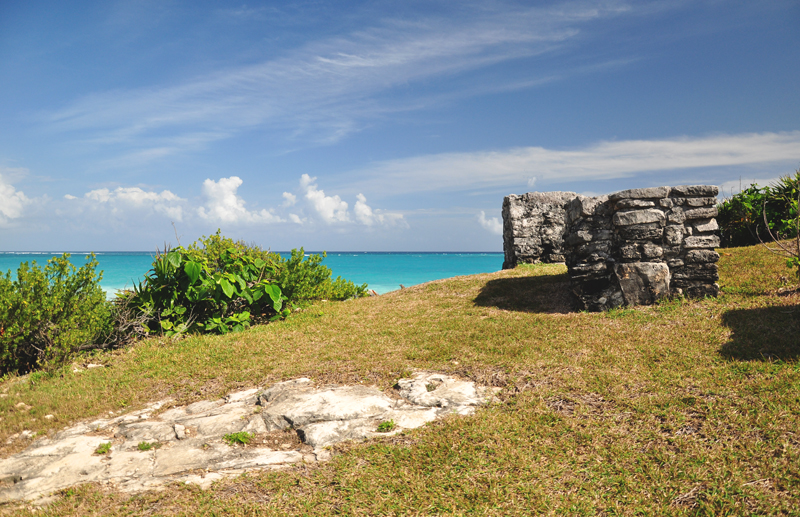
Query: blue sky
{"x":382,"y":126}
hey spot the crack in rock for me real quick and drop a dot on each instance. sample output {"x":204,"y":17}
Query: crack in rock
{"x":189,"y":439}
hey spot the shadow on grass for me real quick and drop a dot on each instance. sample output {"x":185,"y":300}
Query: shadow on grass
{"x":763,"y":334}
{"x":546,"y":294}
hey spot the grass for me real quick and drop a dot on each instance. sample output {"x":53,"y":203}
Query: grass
{"x":103,"y":448}
{"x":240,"y":438}
{"x":683,"y":408}
{"x":386,"y":426}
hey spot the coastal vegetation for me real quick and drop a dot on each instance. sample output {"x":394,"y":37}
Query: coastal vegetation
{"x":686,"y":407}
{"x":215,"y":285}
{"x":750,"y":216}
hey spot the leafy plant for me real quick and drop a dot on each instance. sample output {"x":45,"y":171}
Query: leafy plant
{"x":242,"y":438}
{"x":790,"y":250}
{"x":386,"y":426}
{"x":218,"y":285}
{"x":146,"y":446}
{"x":305,"y":278}
{"x":749,"y":216}
{"x":47,"y":314}
{"x":104,"y":448}
{"x":187,"y":291}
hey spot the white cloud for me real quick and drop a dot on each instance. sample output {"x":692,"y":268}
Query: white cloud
{"x":123,"y":199}
{"x":532,"y":182}
{"x":225,"y":206}
{"x":494,"y":224}
{"x":330,"y":208}
{"x":12,"y":202}
{"x":296,"y":219}
{"x":367,"y":216}
{"x":289,"y":199}
{"x":603,"y":160}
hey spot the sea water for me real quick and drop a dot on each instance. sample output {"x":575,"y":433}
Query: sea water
{"x":382,"y":271}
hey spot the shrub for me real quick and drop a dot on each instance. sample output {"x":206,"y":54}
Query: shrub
{"x":218,"y":285}
{"x":188,"y":290}
{"x":742,"y":217}
{"x":48,"y":314}
{"x":304,"y":280}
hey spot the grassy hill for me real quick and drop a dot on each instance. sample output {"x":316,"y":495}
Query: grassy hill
{"x":686,"y":407}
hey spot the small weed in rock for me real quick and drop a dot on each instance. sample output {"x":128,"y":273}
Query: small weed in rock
{"x":146,"y":446}
{"x":104,"y":448}
{"x":387,"y":426}
{"x":241,"y":437}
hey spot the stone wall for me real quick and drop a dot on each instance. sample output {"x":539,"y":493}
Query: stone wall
{"x":628,"y":248}
{"x":534,"y":227}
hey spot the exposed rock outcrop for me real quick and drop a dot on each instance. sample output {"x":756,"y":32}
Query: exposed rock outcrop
{"x":290,"y":422}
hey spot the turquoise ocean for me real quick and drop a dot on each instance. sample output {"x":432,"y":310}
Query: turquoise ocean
{"x":383,"y":272}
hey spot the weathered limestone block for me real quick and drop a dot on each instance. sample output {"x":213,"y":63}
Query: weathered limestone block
{"x":641,"y":232}
{"x":641,"y":193}
{"x":673,"y":234}
{"x":694,"y":191}
{"x":651,"y":251}
{"x":707,"y":271}
{"x":701,"y":256}
{"x":676,"y":216}
{"x":633,"y":203}
{"x":631,"y":217}
{"x":701,"y":241}
{"x":700,"y":213}
{"x":643,"y":283}
{"x":533,"y":227}
{"x":592,"y":207}
{"x":695,"y":289}
{"x":706,"y":225}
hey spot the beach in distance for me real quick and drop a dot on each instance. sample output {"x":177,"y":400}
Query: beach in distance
{"x":383,"y":271}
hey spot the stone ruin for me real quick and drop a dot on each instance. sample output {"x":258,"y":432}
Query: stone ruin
{"x":628,"y":248}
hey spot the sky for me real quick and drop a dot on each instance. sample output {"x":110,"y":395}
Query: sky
{"x":374,"y":125}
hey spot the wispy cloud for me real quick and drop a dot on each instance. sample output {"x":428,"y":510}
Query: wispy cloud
{"x":600,"y":161}
{"x":324,"y":90}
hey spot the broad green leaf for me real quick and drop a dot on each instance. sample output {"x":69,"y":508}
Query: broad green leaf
{"x":174,"y":259}
{"x":192,"y":270}
{"x":273,"y":291}
{"x":227,"y":288}
{"x":166,"y":324}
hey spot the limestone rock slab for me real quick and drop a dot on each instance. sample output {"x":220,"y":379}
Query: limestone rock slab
{"x":187,"y":442}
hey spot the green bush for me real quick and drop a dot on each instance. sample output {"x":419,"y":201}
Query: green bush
{"x":741,"y":217}
{"x":304,"y":280}
{"x":188,"y":290}
{"x":48,"y":314}
{"x":217,"y":285}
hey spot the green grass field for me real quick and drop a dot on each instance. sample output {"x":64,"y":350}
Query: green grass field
{"x":683,"y":408}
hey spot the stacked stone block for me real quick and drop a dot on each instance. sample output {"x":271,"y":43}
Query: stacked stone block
{"x":534,"y":227}
{"x":636,"y":246}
